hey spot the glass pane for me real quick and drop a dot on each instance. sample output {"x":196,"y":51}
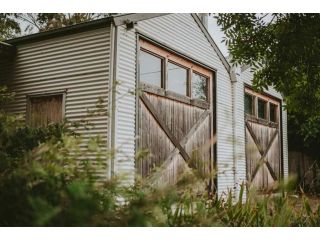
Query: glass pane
{"x":273,"y":112}
{"x":150,"y":69}
{"x":262,"y":109}
{"x":199,"y":87}
{"x":177,"y":79}
{"x":248,"y":104}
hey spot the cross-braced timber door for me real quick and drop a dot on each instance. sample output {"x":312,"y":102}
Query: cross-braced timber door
{"x":263,"y":140}
{"x":175,"y":120}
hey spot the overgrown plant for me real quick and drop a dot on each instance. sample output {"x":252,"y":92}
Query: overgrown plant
{"x":47,"y":178}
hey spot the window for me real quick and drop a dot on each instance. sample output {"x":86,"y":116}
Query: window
{"x":177,"y":78}
{"x":249,"y":104}
{"x":262,"y":109}
{"x":261,"y":106}
{"x":273,"y":112}
{"x":199,"y":88}
{"x":43,"y":110}
{"x":150,"y":69}
{"x":164,"y":69}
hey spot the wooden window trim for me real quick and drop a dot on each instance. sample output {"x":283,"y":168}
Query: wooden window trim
{"x":188,"y":78}
{"x":254,"y":110}
{"x":44,"y":94}
{"x":173,"y":96}
{"x":208,"y":84}
{"x":266,"y":103}
{"x":162,"y":64}
{"x":276,"y":112}
{"x":262,"y":96}
{"x":269,"y":100}
{"x":173,"y":58}
{"x":262,"y":121}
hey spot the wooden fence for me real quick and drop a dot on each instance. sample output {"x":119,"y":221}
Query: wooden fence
{"x":306,"y":169}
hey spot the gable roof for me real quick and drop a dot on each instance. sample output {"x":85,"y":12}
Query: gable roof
{"x":211,"y":41}
{"x":118,"y":20}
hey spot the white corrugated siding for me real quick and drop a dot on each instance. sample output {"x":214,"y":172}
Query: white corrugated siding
{"x":76,"y":63}
{"x":285,"y":145}
{"x":181,"y":32}
{"x":246,"y":78}
{"x":240,"y":135}
{"x":125,"y":105}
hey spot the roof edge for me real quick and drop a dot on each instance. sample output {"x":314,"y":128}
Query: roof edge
{"x":7,"y":49}
{"x":134,"y":17}
{"x":117,"y":20}
{"x":60,"y":31}
{"x":212,"y":42}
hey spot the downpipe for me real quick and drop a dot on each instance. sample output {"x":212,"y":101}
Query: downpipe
{"x":233,"y":77}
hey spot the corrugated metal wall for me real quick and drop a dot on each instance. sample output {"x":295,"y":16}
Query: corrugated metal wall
{"x":239,"y":139}
{"x":125,"y":105}
{"x":181,"y":32}
{"x":76,"y":63}
{"x":246,"y":78}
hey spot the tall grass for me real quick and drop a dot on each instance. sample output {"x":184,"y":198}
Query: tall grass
{"x":42,"y":183}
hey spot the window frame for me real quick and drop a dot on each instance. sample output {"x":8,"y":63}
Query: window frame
{"x":175,"y":58}
{"x":162,"y":84}
{"x":29,"y":97}
{"x":207,"y":81}
{"x":253,"y":104}
{"x":269,"y":100}
{"x":266,"y":109}
{"x":276,"y":113}
{"x":187,"y":79}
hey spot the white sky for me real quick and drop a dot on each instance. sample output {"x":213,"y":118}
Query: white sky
{"x":217,"y":35}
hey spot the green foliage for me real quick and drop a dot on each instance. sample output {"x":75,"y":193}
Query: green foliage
{"x":48,"y":21}
{"x":11,"y":24}
{"x":284,"y":52}
{"x":8,"y":26}
{"x":49,"y":177}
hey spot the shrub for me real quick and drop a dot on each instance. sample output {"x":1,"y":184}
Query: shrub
{"x":44,"y":183}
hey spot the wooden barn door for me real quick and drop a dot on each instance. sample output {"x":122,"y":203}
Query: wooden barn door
{"x":263,"y":140}
{"x":175,"y":128}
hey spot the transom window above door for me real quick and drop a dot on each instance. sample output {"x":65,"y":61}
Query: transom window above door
{"x":261,"y":107}
{"x":150,"y":68}
{"x":177,"y":78}
{"x":165,"y":70}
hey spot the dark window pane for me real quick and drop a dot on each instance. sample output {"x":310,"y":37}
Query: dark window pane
{"x":262,"y":105}
{"x":273,"y":112}
{"x":150,"y":69}
{"x":199,"y":87}
{"x":177,"y":79}
{"x":248,"y":104}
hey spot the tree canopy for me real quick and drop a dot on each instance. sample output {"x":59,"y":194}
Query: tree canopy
{"x":49,"y":21}
{"x":284,"y":52}
{"x":14,"y":24}
{"x":8,"y":26}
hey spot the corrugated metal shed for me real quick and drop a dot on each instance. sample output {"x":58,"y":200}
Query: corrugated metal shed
{"x":246,"y":77}
{"x":182,"y":33}
{"x":75,"y":63}
{"x":88,"y":60}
